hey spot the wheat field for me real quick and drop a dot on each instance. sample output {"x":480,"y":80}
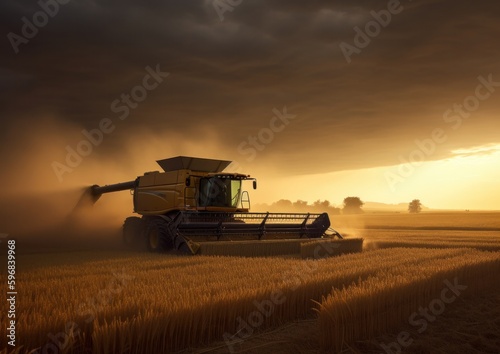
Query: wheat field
{"x":382,"y":302}
{"x":152,"y":303}
{"x":128,"y":302}
{"x":482,"y":240}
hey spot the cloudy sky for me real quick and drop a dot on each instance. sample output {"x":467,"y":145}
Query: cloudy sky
{"x":385,"y":100}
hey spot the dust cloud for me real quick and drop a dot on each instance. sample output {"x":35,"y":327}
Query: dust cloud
{"x":38,"y":206}
{"x":352,"y":226}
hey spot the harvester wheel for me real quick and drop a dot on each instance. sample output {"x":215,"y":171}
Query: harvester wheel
{"x":133,"y":228}
{"x":158,"y":237}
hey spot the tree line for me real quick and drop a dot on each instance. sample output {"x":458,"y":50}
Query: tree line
{"x":351,"y":205}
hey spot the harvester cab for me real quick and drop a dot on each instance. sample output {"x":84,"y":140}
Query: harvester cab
{"x":194,"y":201}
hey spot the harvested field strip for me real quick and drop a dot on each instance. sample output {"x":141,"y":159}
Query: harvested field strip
{"x":431,"y":235}
{"x":482,"y":246}
{"x":385,"y":301}
{"x":170,"y":303}
{"x":433,"y":228}
{"x":441,"y":221}
{"x":486,"y":241}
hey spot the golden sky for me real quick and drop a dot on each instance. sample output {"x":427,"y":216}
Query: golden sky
{"x":412,"y":111}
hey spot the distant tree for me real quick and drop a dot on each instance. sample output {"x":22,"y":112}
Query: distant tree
{"x":300,"y":204}
{"x":282,"y":204}
{"x":415,"y":206}
{"x":321,"y":204}
{"x":352,"y":205}
{"x":325,"y":207}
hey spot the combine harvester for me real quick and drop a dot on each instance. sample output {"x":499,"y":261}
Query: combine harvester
{"x":196,"y":208}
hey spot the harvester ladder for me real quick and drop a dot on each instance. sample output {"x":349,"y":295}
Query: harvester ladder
{"x":245,"y":198}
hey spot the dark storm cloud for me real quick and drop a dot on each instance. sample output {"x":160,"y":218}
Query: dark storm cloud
{"x":229,"y":75}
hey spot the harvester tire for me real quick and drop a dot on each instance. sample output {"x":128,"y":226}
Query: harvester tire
{"x":158,"y":238}
{"x":133,"y":228}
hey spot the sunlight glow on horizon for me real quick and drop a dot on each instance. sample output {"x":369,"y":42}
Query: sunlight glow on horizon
{"x":468,"y":180}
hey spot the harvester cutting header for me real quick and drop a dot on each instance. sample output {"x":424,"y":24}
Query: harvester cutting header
{"x":193,"y":201}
